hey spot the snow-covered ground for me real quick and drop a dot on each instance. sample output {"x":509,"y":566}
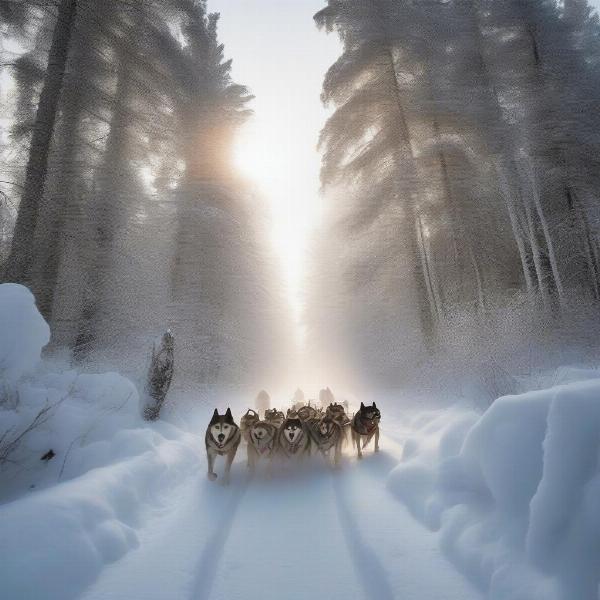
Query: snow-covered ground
{"x":306,"y":532}
{"x":123,"y":510}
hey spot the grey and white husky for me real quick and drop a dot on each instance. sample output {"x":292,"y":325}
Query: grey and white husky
{"x":293,"y":439}
{"x":328,"y":436}
{"x":222,"y":439}
{"x":247,"y":421}
{"x":262,"y":439}
{"x":365,"y":426}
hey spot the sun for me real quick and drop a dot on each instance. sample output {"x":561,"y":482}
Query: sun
{"x":258,"y":156}
{"x":267,"y":153}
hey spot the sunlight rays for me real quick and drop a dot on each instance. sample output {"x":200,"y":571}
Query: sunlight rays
{"x":274,"y":155}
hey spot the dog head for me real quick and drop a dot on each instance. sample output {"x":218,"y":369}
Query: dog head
{"x":261,"y":433}
{"x":306,"y":413}
{"x":274,"y":415}
{"x":335,"y":409}
{"x":370,"y":413}
{"x":222,"y":427}
{"x":326,"y":426}
{"x":293,"y":429}
{"x":249,"y":419}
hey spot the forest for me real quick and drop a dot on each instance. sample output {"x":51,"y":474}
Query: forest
{"x":391,"y":207}
{"x":120,"y":208}
{"x":461,"y":160}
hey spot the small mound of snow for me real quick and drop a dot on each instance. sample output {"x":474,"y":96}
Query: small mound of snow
{"x":516,"y":494}
{"x":23,"y":334}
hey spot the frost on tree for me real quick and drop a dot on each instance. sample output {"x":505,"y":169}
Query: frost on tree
{"x":160,"y":376}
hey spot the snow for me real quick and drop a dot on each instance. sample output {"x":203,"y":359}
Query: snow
{"x":514,"y":493}
{"x":24,"y":334}
{"x":124,"y":509}
{"x":306,"y":532}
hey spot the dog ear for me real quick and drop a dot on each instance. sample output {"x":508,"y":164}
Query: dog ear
{"x":228,"y":415}
{"x":374,"y":405}
{"x":362,"y":405}
{"x":215,"y":417}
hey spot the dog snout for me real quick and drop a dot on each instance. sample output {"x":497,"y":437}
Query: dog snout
{"x":221,"y":437}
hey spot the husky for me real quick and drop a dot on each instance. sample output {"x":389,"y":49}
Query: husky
{"x":338,"y":413}
{"x":365,"y":425}
{"x":328,"y":435}
{"x":274,"y":417}
{"x":307,"y":413}
{"x":293,"y":438}
{"x":222,"y":438}
{"x":262,"y":437}
{"x":247,"y":421}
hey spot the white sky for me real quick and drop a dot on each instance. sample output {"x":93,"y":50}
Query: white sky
{"x":281,"y":56}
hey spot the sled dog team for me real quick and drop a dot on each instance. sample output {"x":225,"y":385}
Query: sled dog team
{"x":296,"y":434}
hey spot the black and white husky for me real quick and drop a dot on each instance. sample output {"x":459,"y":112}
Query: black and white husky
{"x":222,"y":439}
{"x":365,"y":426}
{"x":293,"y":439}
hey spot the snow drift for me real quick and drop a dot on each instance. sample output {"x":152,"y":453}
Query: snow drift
{"x":515,"y":493}
{"x":65,"y":517}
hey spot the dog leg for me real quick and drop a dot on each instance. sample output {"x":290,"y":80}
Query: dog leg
{"x":356,"y":437}
{"x":249,"y":462}
{"x":337,"y":455}
{"x":252,"y":459}
{"x":211,"y":464}
{"x":377,"y":440}
{"x":229,"y":460}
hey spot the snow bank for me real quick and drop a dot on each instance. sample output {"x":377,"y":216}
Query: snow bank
{"x":54,"y":543}
{"x":23,"y":334}
{"x":515,"y":493}
{"x":79,"y":468}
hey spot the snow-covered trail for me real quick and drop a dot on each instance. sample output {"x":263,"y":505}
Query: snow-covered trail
{"x":306,"y":532}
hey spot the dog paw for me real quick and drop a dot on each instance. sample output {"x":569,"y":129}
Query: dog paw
{"x":212,"y":476}
{"x":376,"y":449}
{"x":359,"y":457}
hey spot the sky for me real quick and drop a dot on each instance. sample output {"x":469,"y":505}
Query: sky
{"x":281,"y":56}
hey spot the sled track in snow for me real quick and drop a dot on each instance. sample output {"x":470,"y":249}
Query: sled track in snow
{"x":369,"y":568}
{"x":213,"y":546}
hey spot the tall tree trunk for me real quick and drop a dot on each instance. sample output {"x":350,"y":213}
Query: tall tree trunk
{"x":58,"y":205}
{"x":105,"y":214}
{"x":514,"y":222}
{"x":536,"y":254}
{"x":432,"y":293}
{"x":21,"y":255}
{"x":535,"y":192}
